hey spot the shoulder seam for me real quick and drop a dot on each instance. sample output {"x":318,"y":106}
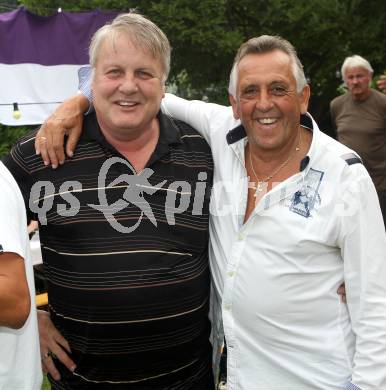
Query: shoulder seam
{"x":351,"y":159}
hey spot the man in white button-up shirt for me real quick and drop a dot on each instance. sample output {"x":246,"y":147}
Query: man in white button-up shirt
{"x":293,"y":215}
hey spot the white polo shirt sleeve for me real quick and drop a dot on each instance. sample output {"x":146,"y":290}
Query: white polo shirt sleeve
{"x":12,"y":215}
{"x":20,"y":366}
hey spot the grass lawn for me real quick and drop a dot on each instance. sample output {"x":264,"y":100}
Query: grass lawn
{"x":46,"y":383}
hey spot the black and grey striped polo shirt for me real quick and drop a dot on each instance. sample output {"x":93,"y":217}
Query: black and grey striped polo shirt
{"x":126,"y":258}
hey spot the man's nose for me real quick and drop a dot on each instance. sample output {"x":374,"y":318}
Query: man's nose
{"x":264,"y":101}
{"x":128,"y":84}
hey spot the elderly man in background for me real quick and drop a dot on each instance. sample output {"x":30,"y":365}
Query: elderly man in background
{"x":124,"y":230}
{"x":359,"y":117}
{"x":20,"y":366}
{"x":293,"y":215}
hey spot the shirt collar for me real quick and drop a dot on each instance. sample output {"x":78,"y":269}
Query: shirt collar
{"x":238,"y":133}
{"x":169,"y":134}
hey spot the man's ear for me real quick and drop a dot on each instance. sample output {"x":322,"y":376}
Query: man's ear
{"x":234,"y":105}
{"x":304,"y":97}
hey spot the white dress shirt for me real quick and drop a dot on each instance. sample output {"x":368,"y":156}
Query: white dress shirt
{"x":275,"y":277}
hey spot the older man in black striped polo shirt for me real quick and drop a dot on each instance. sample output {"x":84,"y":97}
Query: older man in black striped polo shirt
{"x":124,"y":230}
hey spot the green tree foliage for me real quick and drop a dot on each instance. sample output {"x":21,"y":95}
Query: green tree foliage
{"x":205,"y":35}
{"x":9,"y":135}
{"x":7,"y":5}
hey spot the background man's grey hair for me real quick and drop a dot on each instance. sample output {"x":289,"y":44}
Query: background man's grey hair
{"x":266,"y":44}
{"x":354,"y":61}
{"x":143,"y":33}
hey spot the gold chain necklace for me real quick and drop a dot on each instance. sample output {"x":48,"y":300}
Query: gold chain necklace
{"x":263,"y":183}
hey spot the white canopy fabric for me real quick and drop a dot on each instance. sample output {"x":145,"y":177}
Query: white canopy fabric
{"x":39,"y":61}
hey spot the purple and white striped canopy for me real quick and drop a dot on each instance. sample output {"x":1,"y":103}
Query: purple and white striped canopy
{"x":39,"y":60}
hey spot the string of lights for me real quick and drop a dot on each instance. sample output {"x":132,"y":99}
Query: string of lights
{"x":29,"y":103}
{"x":16,"y":111}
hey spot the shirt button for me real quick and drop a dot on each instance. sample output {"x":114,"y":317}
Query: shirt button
{"x":228,"y":307}
{"x":231,"y":274}
{"x":241,"y":237}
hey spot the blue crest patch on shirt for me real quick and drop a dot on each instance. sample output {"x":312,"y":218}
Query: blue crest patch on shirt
{"x":307,"y":197}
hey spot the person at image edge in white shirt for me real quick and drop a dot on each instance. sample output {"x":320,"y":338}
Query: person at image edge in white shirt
{"x":20,"y":367}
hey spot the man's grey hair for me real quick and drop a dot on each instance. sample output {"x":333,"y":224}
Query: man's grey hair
{"x":266,"y":44}
{"x":354,"y":61}
{"x":142,"y":32}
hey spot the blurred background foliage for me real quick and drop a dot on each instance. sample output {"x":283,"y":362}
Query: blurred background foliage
{"x":205,"y":35}
{"x":9,"y":135}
